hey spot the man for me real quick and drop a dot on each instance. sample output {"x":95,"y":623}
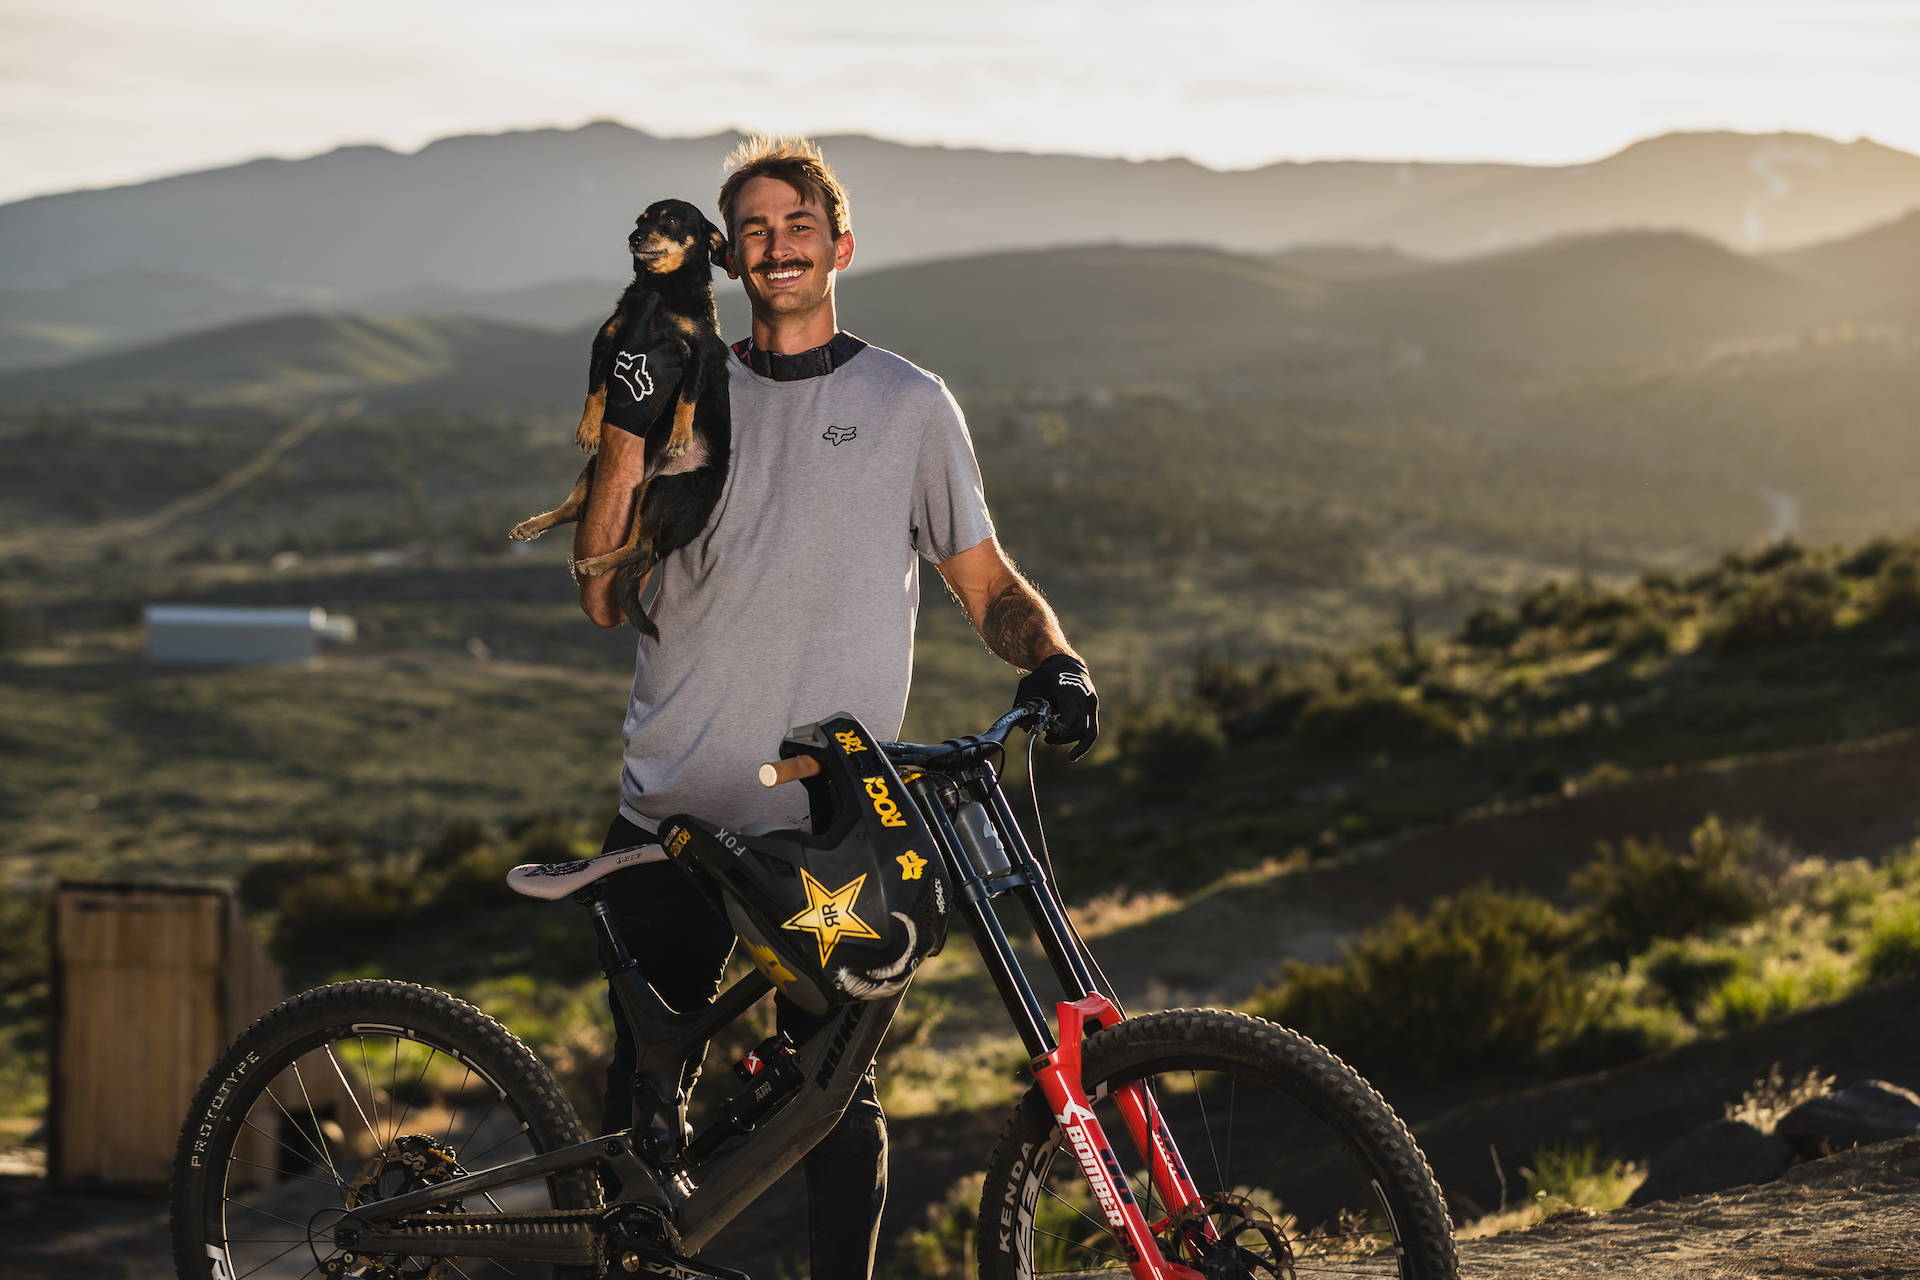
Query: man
{"x":797,"y":601}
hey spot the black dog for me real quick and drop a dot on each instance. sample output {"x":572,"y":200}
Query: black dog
{"x":661,"y":345}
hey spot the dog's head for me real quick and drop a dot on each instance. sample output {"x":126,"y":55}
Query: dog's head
{"x":673,"y":236}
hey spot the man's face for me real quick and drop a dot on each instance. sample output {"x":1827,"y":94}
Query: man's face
{"x":785,"y":250}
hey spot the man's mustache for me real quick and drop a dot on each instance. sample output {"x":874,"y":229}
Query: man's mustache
{"x":768,"y":268}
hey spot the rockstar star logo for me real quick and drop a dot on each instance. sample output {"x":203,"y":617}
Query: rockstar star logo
{"x":911,"y":865}
{"x":829,"y":916}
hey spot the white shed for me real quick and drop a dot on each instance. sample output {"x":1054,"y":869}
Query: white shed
{"x":226,"y":634}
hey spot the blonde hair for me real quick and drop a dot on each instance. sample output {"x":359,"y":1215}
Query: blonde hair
{"x":796,"y":162}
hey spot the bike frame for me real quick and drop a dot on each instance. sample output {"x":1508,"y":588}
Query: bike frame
{"x":701,"y":1198}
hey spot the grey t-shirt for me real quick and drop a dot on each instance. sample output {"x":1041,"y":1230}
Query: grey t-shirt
{"x":799,"y":598}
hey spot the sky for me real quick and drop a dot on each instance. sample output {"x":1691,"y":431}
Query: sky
{"x":101,"y":92}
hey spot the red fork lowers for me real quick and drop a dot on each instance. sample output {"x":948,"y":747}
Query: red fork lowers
{"x":1059,"y":1076}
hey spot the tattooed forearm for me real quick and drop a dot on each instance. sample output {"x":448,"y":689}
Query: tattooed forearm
{"x":1019,"y":627}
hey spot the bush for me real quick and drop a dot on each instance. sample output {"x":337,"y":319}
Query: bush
{"x":1375,"y":717}
{"x":1484,"y":979}
{"x":1798,"y":607}
{"x":1896,"y":591}
{"x":1867,"y":561}
{"x":1893,"y":948}
{"x":1490,"y":627}
{"x":1645,"y":891}
{"x":1686,"y":973}
{"x":1175,"y":741}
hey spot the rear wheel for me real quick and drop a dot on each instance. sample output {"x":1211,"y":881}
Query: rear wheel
{"x":348,"y":1094}
{"x":1303,"y":1170}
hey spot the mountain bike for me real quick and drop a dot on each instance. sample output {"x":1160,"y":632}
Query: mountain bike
{"x":383,"y":1130}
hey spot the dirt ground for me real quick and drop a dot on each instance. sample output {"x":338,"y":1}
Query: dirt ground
{"x":1856,"y":1214}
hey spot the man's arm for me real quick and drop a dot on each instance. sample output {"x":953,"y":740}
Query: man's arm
{"x":1012,"y":619}
{"x":617,"y":471}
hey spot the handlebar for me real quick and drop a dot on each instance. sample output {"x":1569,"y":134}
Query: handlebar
{"x":954,"y":753}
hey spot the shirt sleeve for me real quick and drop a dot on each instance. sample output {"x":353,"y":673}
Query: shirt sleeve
{"x":949,"y":502}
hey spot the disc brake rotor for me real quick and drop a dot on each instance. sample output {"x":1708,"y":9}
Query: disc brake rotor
{"x":408,"y":1163}
{"x":1245,"y":1244}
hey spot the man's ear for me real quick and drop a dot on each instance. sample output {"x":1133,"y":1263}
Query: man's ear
{"x":843,"y":251}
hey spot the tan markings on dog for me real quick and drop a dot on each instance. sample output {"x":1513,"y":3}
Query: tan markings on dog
{"x":588,"y":434}
{"x":686,"y":324}
{"x":681,"y":437}
{"x":673,"y":254}
{"x":612,"y":327}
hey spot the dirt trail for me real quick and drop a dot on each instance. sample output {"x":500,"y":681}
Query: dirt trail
{"x":1856,"y":1214}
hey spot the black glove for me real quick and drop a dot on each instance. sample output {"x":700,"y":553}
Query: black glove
{"x":1063,"y":683}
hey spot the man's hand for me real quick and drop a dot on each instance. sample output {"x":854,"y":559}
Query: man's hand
{"x":1063,"y":683}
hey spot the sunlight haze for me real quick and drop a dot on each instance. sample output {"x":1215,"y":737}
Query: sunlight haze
{"x":99,"y":92}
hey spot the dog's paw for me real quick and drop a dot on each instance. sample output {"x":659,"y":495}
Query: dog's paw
{"x":591,"y":567}
{"x":672,"y":449}
{"x":526,"y":531}
{"x":587,"y":437}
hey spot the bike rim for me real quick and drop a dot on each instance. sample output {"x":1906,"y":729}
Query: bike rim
{"x":349,"y":1116}
{"x":1282,"y":1182}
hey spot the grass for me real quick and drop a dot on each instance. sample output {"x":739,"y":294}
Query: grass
{"x":1575,"y":1178}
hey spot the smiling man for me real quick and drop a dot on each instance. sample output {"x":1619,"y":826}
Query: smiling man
{"x":850,"y":464}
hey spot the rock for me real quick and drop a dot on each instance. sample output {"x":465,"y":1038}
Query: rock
{"x":1870,"y":1111}
{"x":1726,"y":1153}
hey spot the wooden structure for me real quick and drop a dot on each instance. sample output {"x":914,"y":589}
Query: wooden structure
{"x":149,"y":983}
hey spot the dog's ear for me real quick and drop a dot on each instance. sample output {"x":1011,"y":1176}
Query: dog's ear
{"x":718,"y":251}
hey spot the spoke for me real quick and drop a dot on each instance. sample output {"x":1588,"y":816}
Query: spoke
{"x":381,"y":1140}
{"x":325,"y":1156}
{"x":249,"y":1124}
{"x":453,"y":1113}
{"x":1083,"y":1215}
{"x":1233,"y":1094}
{"x":267,"y":1168}
{"x":254,"y":1208}
{"x":481,"y":1155}
{"x":371,"y":1131}
{"x":1207,"y":1127}
{"x":393,"y":1079}
{"x":275,"y":1258}
{"x":326,"y":1144}
{"x":1078,"y":1244}
{"x":413,"y":1090}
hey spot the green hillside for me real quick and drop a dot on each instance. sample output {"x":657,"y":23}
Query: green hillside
{"x":1589,"y":300}
{"x":281,"y":357}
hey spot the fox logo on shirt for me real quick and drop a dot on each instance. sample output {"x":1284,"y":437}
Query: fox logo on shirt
{"x":631,"y":369}
{"x":835,"y":434}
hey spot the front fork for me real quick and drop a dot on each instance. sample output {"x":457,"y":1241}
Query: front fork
{"x":1059,"y":1076}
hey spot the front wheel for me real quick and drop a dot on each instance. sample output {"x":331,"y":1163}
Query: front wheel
{"x":1303,"y":1170}
{"x":348,"y":1094}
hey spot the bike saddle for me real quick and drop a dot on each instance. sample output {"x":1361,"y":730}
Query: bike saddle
{"x":555,"y":880}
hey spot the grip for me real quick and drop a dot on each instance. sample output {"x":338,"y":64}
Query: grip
{"x":789,"y":770}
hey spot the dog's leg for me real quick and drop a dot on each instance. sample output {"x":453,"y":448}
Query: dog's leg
{"x":680,"y":439}
{"x":638,"y":546}
{"x":587,"y":436}
{"x":568,"y":511}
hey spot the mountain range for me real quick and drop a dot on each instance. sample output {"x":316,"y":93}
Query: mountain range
{"x":518,"y":226}
{"x":1182,"y":317}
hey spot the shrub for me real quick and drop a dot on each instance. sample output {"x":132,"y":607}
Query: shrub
{"x":1375,"y":717}
{"x":1172,"y":740}
{"x":1687,"y":972}
{"x":1896,"y":591}
{"x":1775,"y":1094}
{"x":1869,"y":558}
{"x":1893,"y":947}
{"x":1645,"y":891}
{"x":1774,"y":611}
{"x":1483,"y":979}
{"x":1490,"y":627}
{"x":340,"y":905}
{"x":1748,"y":999}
